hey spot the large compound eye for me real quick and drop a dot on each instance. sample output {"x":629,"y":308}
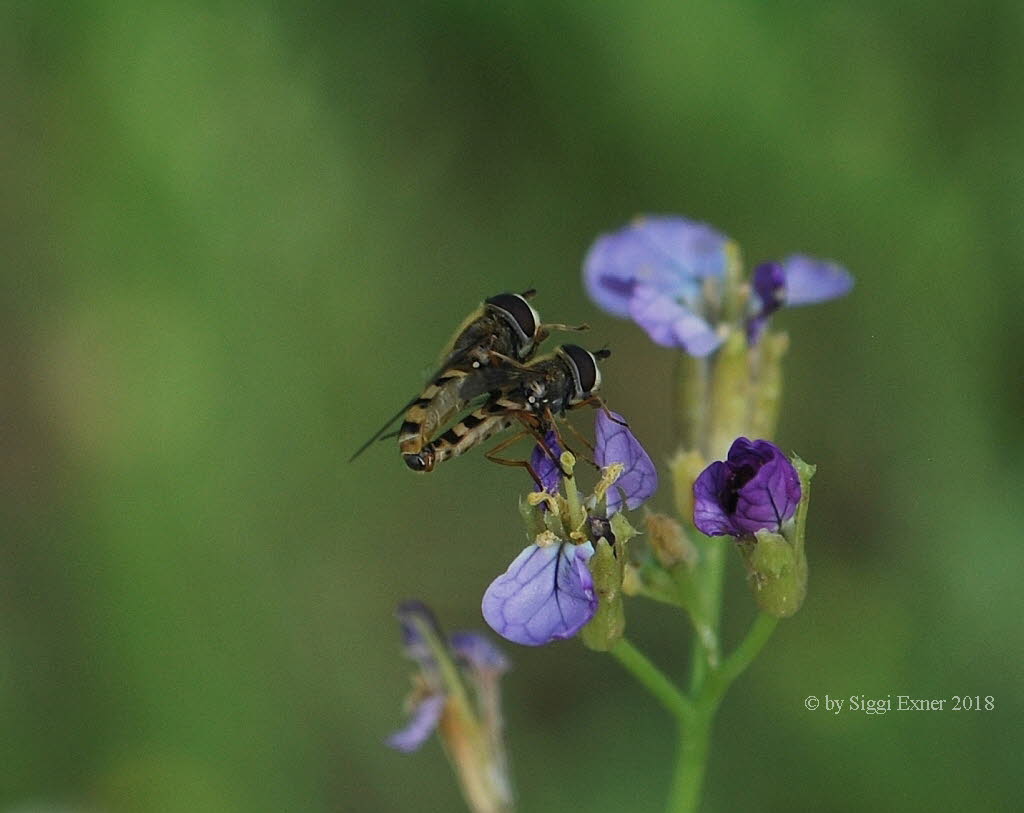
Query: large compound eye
{"x":521,"y":315}
{"x":585,"y":373}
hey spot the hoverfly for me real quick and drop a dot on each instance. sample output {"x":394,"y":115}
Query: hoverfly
{"x":506,"y":329}
{"x":532,"y":395}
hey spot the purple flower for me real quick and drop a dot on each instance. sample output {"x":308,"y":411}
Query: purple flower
{"x":547,"y":593}
{"x":755,"y":488}
{"x":616,"y":444}
{"x":654,"y":272}
{"x":662,"y":272}
{"x":479,"y":663}
{"x":547,"y":470}
{"x":797,"y":280}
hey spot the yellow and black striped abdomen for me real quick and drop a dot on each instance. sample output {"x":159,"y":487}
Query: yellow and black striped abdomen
{"x":437,"y":404}
{"x":471,"y":431}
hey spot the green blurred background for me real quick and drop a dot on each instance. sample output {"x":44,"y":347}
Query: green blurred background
{"x":235,"y":236}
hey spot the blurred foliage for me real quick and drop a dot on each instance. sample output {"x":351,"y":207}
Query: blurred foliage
{"x":234,"y":236}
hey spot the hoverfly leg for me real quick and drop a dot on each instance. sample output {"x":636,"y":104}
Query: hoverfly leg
{"x":598,"y":403}
{"x":508,"y":361}
{"x":492,"y":455}
{"x":550,"y":328}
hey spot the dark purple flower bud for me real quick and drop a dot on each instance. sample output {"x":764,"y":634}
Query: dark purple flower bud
{"x":755,"y":488}
{"x":769,"y":284}
{"x":547,"y":470}
{"x":616,"y":444}
{"x":797,"y":280}
{"x":547,"y":593}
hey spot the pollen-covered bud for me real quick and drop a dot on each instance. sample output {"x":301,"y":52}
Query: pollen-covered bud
{"x":607,"y":566}
{"x":668,"y":542}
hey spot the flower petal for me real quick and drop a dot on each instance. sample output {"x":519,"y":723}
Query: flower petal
{"x":709,"y":514}
{"x":672,"y":249}
{"x":670,"y":324}
{"x":544,"y":467}
{"x":616,"y":444}
{"x":420,"y":726}
{"x":809,"y":280}
{"x":478,"y":652}
{"x":771,"y":496}
{"x":547,"y":593}
{"x":410,"y":613}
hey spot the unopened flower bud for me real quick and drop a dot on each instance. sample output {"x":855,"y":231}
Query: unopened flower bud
{"x":777,"y":562}
{"x":685,"y":467}
{"x":777,"y":573}
{"x":609,"y":622}
{"x":668,"y":543}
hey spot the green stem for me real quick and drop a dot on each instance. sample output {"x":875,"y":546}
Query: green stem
{"x":653,"y":679}
{"x":705,"y":647}
{"x":691,"y":761}
{"x":734,"y":666}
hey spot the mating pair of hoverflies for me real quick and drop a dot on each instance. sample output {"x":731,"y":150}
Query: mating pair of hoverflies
{"x":489,"y":368}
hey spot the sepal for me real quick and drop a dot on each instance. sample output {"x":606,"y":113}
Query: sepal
{"x":607,"y":566}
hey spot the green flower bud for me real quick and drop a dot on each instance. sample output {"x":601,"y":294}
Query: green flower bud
{"x":766,"y":383}
{"x":669,"y":543}
{"x":685,"y":467}
{"x":609,"y":622}
{"x":776,"y":563}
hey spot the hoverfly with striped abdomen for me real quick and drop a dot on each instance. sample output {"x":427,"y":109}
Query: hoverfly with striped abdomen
{"x":529,"y":394}
{"x":505,"y":330}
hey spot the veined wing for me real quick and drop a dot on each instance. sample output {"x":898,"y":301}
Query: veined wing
{"x":379,"y":434}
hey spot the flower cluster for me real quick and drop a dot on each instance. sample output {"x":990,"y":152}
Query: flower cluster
{"x":548,"y":592}
{"x":668,"y":274}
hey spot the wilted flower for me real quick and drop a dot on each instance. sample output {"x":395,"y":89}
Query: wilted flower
{"x":797,"y":280}
{"x":755,"y":488}
{"x":654,"y":271}
{"x":456,"y":694}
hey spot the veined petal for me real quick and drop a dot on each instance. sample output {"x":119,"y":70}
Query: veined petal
{"x":671,"y":324}
{"x":616,"y":444}
{"x":809,"y":280}
{"x":420,"y":726}
{"x":755,"y":488}
{"x":544,"y":467}
{"x":709,"y":514}
{"x":547,"y":593}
